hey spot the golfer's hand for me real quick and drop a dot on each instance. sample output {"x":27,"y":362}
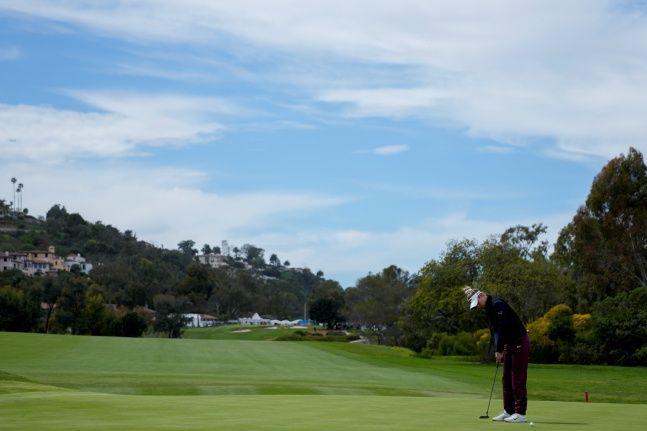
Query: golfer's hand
{"x":499,"y":357}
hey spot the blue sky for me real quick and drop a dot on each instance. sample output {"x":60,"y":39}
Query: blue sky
{"x":342,"y":136}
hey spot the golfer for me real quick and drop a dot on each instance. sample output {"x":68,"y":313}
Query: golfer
{"x":512,"y":349}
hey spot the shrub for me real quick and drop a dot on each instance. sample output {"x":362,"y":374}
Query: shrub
{"x":482,"y":337}
{"x":441,"y":344}
{"x":547,"y":331}
{"x":619,"y":328}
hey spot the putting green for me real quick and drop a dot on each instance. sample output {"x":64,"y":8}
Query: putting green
{"x":84,"y":411}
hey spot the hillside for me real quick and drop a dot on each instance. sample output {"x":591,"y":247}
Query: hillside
{"x":133,"y":275}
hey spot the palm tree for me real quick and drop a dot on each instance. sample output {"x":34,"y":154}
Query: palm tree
{"x":13,"y":181}
{"x":20,"y":187}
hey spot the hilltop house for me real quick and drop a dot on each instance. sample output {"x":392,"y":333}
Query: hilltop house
{"x":34,"y":262}
{"x":77,"y":259}
{"x":214,"y":260}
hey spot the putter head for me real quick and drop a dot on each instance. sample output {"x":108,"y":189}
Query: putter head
{"x":484,"y":417}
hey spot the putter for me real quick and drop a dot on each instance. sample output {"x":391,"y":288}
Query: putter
{"x":486,"y":415}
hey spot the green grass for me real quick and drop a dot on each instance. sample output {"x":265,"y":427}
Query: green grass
{"x":238,"y":332}
{"x":50,"y":382}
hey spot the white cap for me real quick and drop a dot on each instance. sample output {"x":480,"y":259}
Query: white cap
{"x":472,"y":296}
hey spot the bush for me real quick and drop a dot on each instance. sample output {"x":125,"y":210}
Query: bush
{"x":619,"y":328}
{"x":461,"y":344}
{"x":482,"y":337}
{"x":553,"y":334}
{"x":582,"y":351}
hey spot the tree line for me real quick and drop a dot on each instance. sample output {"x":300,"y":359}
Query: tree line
{"x":582,"y":298}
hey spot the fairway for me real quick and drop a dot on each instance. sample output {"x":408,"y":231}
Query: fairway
{"x":50,"y":382}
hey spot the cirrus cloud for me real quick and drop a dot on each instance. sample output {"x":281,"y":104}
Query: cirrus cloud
{"x":490,"y":68}
{"x":119,"y":124}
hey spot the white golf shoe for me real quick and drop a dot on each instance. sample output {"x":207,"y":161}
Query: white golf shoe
{"x":516,"y":418}
{"x":503,"y":416}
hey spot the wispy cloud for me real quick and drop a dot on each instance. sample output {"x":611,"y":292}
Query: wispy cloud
{"x":161,"y":205}
{"x":118,"y":124}
{"x":8,"y":53}
{"x":435,"y":192}
{"x":154,"y":71}
{"x":496,"y":149}
{"x":409,"y":247}
{"x":390,"y":150}
{"x":385,"y":150}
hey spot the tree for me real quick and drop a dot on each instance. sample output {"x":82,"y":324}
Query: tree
{"x":513,"y":265}
{"x":198,"y":284}
{"x":605,"y":245}
{"x":71,"y":302}
{"x":13,"y":182}
{"x":437,"y":304}
{"x":254,"y":255}
{"x":376,"y":302}
{"x":516,"y":267}
{"x":186,"y":247}
{"x":133,"y":324}
{"x":51,"y":291}
{"x":326,"y":303}
{"x":95,"y":313}
{"x":206,"y":249}
{"x":274,"y":260}
{"x":169,"y":317}
{"x":18,"y":311}
{"x":4,"y":208}
{"x":620,"y":328}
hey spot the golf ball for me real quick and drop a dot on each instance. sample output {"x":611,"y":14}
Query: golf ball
{"x":532,"y":424}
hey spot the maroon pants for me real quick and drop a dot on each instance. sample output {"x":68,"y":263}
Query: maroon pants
{"x":515,"y":374}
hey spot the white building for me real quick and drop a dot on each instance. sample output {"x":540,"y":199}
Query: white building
{"x":213,"y":259}
{"x":77,"y":259}
{"x":7,"y":262}
{"x":200,"y":320}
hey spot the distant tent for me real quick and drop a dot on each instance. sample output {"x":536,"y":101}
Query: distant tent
{"x":256,"y":319}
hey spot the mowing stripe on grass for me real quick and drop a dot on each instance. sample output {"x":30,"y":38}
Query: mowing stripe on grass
{"x":204,"y":367}
{"x":99,"y":412}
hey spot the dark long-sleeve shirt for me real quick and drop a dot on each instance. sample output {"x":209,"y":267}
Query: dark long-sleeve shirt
{"x":506,"y":325}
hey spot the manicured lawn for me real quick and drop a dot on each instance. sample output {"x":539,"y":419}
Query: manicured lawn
{"x":50,"y":382}
{"x":238,"y":332}
{"x":80,"y":411}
